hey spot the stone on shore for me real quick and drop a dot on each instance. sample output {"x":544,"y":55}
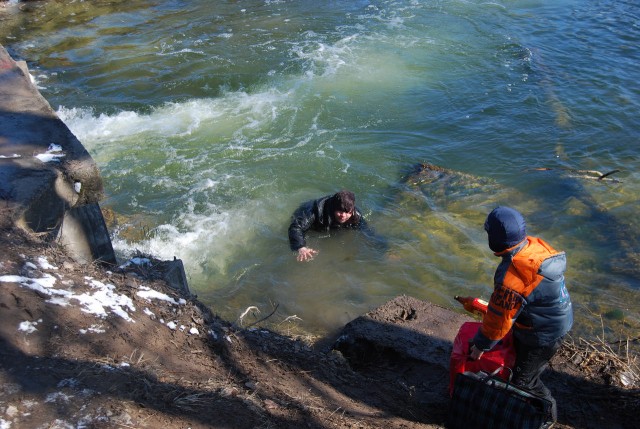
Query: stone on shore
{"x":49,"y":183}
{"x":405,"y":326}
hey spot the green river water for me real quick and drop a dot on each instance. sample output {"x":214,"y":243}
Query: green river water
{"x":212,"y":120}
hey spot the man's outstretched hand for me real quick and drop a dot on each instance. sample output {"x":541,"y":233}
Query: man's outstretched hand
{"x":306,"y":254}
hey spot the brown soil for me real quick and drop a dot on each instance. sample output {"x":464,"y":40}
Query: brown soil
{"x":62,"y":367}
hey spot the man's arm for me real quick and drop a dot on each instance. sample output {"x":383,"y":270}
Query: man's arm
{"x":301,"y":222}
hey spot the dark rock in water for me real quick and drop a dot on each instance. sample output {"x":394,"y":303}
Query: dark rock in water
{"x":440,"y":182}
{"x":615,"y":314}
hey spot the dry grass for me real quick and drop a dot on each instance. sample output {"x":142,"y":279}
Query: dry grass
{"x":597,"y":354}
{"x":616,"y":361}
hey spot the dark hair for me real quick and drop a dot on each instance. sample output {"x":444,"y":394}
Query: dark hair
{"x":344,"y":201}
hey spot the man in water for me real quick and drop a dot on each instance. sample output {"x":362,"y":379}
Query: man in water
{"x":529,"y":295}
{"x":329,"y":212}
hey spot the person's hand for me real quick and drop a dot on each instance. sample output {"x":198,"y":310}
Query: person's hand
{"x":306,"y":254}
{"x":475,"y":353}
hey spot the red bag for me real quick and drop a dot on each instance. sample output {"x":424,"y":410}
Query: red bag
{"x":502,"y":355}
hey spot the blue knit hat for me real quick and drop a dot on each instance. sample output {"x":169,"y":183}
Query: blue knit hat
{"x":506,"y":228}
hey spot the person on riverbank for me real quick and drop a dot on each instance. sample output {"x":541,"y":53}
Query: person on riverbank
{"x":529,"y":296}
{"x":323,"y":214}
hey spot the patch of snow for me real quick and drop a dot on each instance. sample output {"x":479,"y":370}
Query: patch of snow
{"x":28,"y":403}
{"x":44,"y":264}
{"x":96,"y":329}
{"x":149,"y":294}
{"x":28,"y":327}
{"x":42,"y":285}
{"x":103,"y":299}
{"x":87,"y":393}
{"x":49,"y":157}
{"x":53,"y":153}
{"x":57,"y":397}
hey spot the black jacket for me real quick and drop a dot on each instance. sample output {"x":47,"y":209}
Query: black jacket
{"x":317,"y":215}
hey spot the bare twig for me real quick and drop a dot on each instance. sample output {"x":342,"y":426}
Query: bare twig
{"x":244,"y":314}
{"x":582,"y":174}
{"x":264,"y":318}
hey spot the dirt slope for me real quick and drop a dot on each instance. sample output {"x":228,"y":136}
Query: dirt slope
{"x":83,"y":347}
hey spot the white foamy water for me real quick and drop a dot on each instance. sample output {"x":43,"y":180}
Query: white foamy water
{"x":231,"y":113}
